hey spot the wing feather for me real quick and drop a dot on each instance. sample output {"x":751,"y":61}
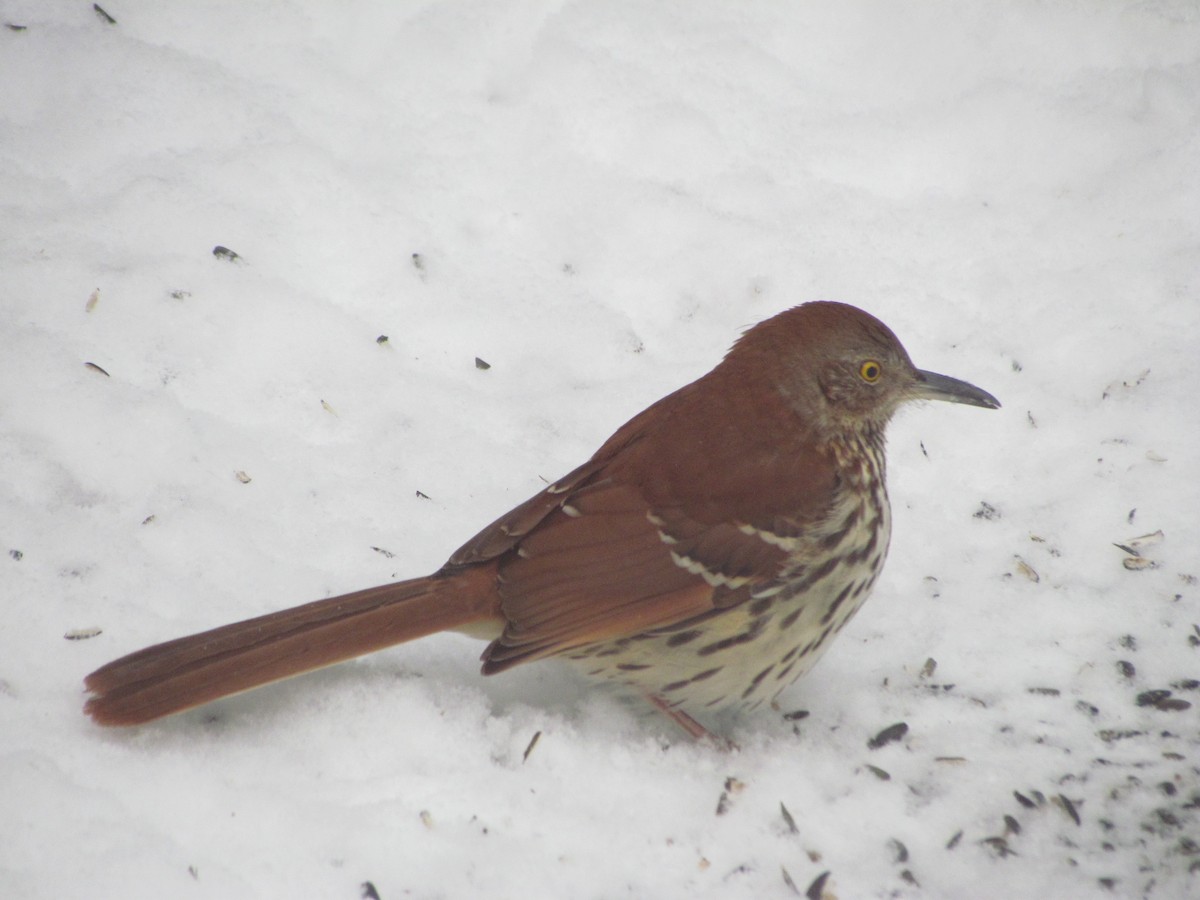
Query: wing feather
{"x":685,"y":510}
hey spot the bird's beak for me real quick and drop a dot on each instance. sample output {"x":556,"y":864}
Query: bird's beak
{"x":932,"y":386}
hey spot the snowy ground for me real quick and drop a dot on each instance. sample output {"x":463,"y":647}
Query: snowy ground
{"x":595,"y":199}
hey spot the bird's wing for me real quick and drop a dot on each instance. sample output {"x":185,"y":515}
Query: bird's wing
{"x":594,"y":569}
{"x":683,"y":511}
{"x":503,"y":534}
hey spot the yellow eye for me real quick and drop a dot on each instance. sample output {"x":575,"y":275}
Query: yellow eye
{"x":870,"y":371}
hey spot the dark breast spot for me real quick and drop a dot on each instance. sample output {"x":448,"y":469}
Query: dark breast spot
{"x":820,"y":572}
{"x":758,"y":680}
{"x":838,"y":601}
{"x":755,"y":629}
{"x":831,"y":540}
{"x":825,"y":632}
{"x":758,"y":607}
{"x":866,"y":551}
{"x":684,"y":637}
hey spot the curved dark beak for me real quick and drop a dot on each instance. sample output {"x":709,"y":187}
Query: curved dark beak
{"x":932,"y":386}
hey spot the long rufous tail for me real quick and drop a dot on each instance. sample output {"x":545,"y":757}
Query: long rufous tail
{"x":179,"y":674}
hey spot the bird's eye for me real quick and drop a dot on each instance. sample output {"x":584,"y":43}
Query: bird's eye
{"x":870,"y":371}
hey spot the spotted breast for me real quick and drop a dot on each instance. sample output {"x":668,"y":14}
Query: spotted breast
{"x":762,"y":638}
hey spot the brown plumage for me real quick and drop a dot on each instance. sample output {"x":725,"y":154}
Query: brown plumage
{"x":704,"y":556}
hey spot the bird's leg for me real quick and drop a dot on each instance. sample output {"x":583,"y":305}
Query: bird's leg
{"x":684,"y":721}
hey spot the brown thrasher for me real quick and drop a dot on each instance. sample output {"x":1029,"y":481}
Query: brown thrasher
{"x":704,"y":556}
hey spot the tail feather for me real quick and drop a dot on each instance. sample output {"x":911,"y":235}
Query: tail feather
{"x":189,"y":671}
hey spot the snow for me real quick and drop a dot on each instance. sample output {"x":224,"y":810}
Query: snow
{"x":599,"y":198}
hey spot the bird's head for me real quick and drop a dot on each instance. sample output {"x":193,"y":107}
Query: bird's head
{"x":842,"y":369}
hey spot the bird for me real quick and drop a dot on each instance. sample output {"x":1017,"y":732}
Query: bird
{"x":703,"y":558}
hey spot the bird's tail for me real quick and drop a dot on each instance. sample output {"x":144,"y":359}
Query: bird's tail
{"x":171,"y":677}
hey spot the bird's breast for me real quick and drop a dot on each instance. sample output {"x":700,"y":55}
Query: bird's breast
{"x":743,"y":655}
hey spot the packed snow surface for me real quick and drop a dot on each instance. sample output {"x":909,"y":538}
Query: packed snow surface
{"x":594,"y":199}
